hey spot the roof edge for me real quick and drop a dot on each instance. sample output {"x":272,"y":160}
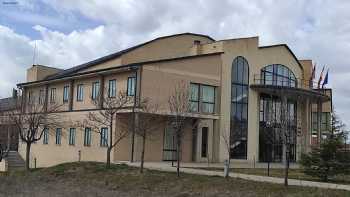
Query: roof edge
{"x":287,"y":47}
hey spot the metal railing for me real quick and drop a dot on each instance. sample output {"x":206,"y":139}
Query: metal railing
{"x":274,"y":80}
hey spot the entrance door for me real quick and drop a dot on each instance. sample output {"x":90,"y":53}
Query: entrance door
{"x":271,"y":135}
{"x":169,"y":145}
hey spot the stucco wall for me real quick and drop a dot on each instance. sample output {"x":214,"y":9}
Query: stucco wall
{"x":257,"y":59}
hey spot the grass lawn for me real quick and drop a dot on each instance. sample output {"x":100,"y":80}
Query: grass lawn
{"x":92,"y":179}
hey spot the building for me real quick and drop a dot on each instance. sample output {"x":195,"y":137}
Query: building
{"x":237,"y":88}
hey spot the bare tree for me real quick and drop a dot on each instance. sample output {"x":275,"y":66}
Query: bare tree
{"x":110,"y":113}
{"x":179,"y":106}
{"x":4,"y":150}
{"x":226,"y":137}
{"x":286,"y":133}
{"x":31,"y":120}
{"x":147,"y":123}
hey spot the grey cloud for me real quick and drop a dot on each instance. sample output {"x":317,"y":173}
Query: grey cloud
{"x":318,"y":29}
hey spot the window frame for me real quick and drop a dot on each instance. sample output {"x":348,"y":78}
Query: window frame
{"x":52,"y":95}
{"x":197,"y":102}
{"x":72,"y":135}
{"x":58,"y":140}
{"x":112,"y":89}
{"x":87,"y":136}
{"x":104,"y":134}
{"x":66,"y":95}
{"x":202,"y":102}
{"x":46,"y":136}
{"x":131,"y":90}
{"x":95,"y":90}
{"x":80,"y":92}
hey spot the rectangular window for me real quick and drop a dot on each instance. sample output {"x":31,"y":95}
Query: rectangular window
{"x":46,"y":136}
{"x":325,"y":122}
{"x":131,"y":86}
{"x":80,"y":92}
{"x":87,"y":137}
{"x":30,"y":96}
{"x":53,"y":95}
{"x":112,"y":88}
{"x":65,"y":94}
{"x":204,"y":150}
{"x":58,"y":135}
{"x":72,"y":136}
{"x":41,"y":97}
{"x":194,"y":97}
{"x":104,"y":137}
{"x":95,"y":90}
{"x":208,"y":98}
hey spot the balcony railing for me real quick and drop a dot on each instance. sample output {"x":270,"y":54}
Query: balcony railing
{"x":286,"y":82}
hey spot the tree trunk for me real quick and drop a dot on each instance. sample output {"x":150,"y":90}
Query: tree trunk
{"x":286,"y":166}
{"x":108,"y":164}
{"x":178,"y":158}
{"x":28,"y":156}
{"x":143,"y":152}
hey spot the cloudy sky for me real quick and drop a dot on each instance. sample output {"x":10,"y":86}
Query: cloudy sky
{"x":68,"y":32}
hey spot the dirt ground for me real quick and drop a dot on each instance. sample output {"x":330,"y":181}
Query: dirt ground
{"x":90,"y":179}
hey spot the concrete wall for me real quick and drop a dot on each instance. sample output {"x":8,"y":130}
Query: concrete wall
{"x":39,"y":72}
{"x":257,"y":59}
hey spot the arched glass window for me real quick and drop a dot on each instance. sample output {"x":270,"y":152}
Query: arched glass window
{"x":279,"y":75}
{"x":239,"y":108}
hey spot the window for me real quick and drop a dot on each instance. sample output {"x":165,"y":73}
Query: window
{"x":72,"y":136}
{"x":278,"y":75}
{"x":95,"y":90}
{"x":204,"y":150}
{"x":131,"y":86}
{"x":41,"y":97}
{"x":239,"y":108}
{"x":202,"y":98}
{"x":30,"y":96}
{"x":58,"y":135}
{"x":53,"y":95}
{"x":87,"y":137}
{"x":325,"y":122}
{"x":194,"y":97}
{"x":112,"y":88}
{"x":46,"y":136}
{"x":104,"y":137}
{"x":65,"y":94}
{"x":208,"y":98}
{"x":80,"y":92}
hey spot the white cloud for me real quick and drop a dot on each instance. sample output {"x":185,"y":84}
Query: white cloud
{"x":318,"y":29}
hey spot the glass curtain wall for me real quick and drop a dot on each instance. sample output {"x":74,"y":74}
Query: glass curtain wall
{"x":239,"y":108}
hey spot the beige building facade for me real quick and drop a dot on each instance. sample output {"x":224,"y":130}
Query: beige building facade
{"x":239,"y":90}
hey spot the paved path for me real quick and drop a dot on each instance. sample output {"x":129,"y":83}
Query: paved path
{"x":168,"y":168}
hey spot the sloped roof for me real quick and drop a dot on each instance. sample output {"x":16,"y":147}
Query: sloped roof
{"x":112,"y":56}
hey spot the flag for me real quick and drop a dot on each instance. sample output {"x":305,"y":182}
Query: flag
{"x":311,"y":82}
{"x":325,"y":81}
{"x":313,"y":72}
{"x":320,"y":79}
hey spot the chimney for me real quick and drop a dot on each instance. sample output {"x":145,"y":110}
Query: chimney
{"x":197,"y":47}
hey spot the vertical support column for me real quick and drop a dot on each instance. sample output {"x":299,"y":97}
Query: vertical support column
{"x":24,"y":100}
{"x":71,"y":93}
{"x":135,"y":119}
{"x":46,"y":102}
{"x":319,"y":119}
{"x":101,"y":94}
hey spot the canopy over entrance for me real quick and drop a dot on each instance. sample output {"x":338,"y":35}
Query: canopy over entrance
{"x":315,"y":95}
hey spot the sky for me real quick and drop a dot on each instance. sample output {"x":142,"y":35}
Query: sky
{"x":66,"y":33}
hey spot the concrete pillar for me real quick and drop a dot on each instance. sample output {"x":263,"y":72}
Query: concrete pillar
{"x":319,"y":119}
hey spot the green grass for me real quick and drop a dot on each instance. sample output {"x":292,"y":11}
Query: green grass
{"x":92,"y":179}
